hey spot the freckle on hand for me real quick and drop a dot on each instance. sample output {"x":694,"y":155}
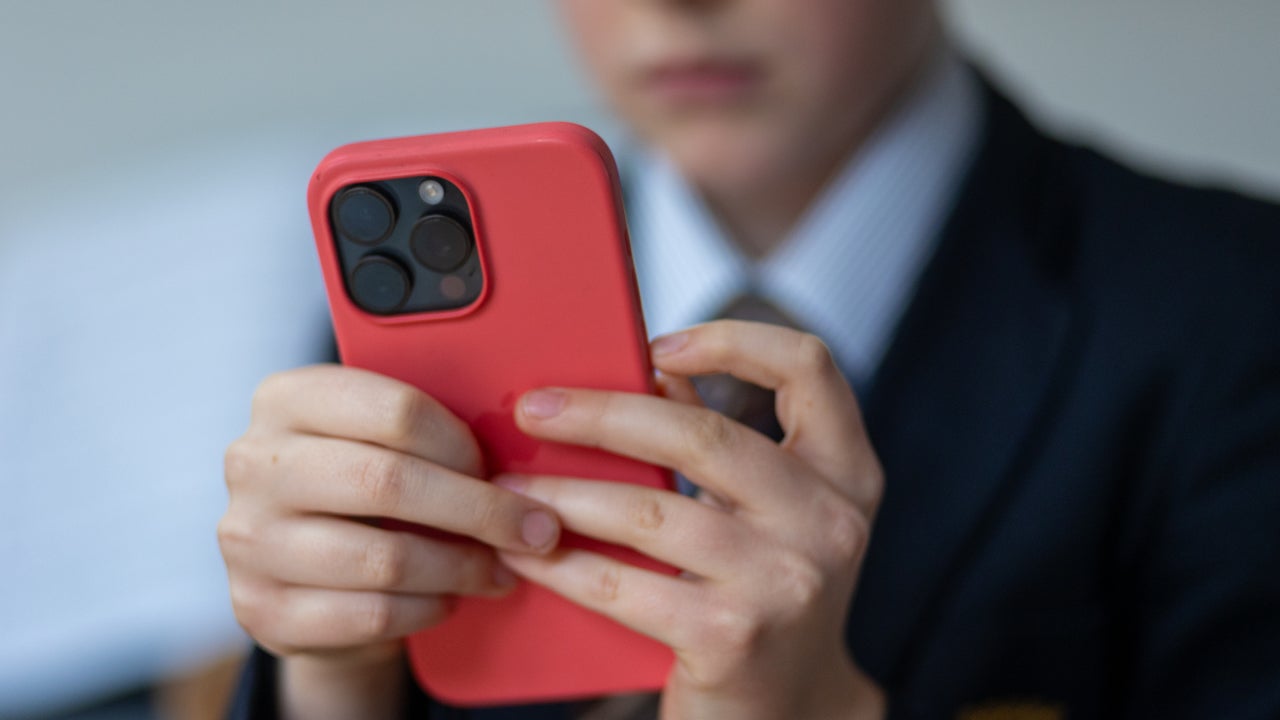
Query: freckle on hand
{"x":648,"y":516}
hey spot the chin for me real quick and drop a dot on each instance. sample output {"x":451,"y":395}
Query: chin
{"x":725,"y":159}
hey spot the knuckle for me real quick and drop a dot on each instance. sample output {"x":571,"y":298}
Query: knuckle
{"x":407,"y":414}
{"x":241,"y":600}
{"x":604,"y":584}
{"x":645,"y":513}
{"x":268,"y":392}
{"x":386,"y":562}
{"x":848,"y":533}
{"x":378,"y":617}
{"x":497,"y":516}
{"x":596,"y":411}
{"x":715,"y":339}
{"x":233,"y":536}
{"x":813,"y":355}
{"x":800,"y":581}
{"x":239,"y":462}
{"x":382,"y":479}
{"x":871,"y":488}
{"x":734,"y":630}
{"x":715,"y":336}
{"x":249,"y":607}
{"x":707,"y":432}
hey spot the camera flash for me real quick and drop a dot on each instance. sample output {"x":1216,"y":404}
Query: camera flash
{"x":453,"y":287}
{"x":431,"y":192}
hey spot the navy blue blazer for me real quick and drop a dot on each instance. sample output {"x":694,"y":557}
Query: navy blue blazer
{"x":1079,"y":419}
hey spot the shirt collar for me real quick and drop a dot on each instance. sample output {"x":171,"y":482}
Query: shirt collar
{"x":849,"y":266}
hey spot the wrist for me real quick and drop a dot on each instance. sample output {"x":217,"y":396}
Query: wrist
{"x":870,"y":702}
{"x":368,"y":685}
{"x":851,"y":694}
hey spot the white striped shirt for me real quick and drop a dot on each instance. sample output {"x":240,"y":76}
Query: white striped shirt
{"x":850,"y":265}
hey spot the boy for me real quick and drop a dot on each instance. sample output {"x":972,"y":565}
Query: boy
{"x":1062,"y":366}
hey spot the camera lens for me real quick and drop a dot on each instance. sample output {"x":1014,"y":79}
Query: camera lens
{"x":441,"y":243}
{"x":380,"y":284}
{"x":364,"y":215}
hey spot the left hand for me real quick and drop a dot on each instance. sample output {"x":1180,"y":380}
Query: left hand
{"x":770,"y":553}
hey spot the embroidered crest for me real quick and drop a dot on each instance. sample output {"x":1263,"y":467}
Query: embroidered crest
{"x":1013,"y":710}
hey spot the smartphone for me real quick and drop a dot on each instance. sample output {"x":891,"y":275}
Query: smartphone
{"x":476,"y":266}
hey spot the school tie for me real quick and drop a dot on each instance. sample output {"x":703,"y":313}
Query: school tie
{"x":736,"y":399}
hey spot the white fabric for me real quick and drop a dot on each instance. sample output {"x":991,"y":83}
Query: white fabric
{"x":849,"y":266}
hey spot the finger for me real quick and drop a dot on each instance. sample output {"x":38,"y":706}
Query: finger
{"x":674,"y":529}
{"x":305,"y":618}
{"x":678,"y":388}
{"x":649,"y":603}
{"x":345,"y":402}
{"x":731,"y":460}
{"x":815,"y":405}
{"x":341,"y":477}
{"x":334,"y":553}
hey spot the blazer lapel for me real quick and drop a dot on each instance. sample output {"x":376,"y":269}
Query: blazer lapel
{"x":967,"y":380}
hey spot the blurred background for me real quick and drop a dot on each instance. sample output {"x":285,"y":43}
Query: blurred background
{"x":156,"y":262}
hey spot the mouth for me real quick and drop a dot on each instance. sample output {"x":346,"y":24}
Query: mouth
{"x":703,"y":82}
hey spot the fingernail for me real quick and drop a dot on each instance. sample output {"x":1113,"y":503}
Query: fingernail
{"x":668,"y":344}
{"x":543,"y":403}
{"x":512,"y":482}
{"x":538,"y":529}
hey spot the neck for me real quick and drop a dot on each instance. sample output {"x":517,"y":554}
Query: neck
{"x":758,"y":217}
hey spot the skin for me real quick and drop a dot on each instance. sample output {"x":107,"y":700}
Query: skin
{"x":824,"y":74}
{"x":328,"y":448}
{"x":770,"y":554}
{"x":311,"y":579}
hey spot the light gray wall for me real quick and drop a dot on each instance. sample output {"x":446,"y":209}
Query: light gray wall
{"x":152,"y":150}
{"x":1190,"y":85}
{"x":90,"y":84}
{"x":1187,"y":86}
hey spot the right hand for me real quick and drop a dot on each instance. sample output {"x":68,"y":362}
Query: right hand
{"x":313,"y":580}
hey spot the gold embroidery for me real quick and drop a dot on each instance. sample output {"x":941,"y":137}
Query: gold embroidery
{"x":640,"y":706}
{"x":1013,"y":710}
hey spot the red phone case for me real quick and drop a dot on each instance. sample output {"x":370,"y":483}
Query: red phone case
{"x":559,"y":307}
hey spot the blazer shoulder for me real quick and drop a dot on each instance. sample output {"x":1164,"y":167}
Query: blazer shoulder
{"x":1181,"y":210}
{"x":1162,"y":264}
{"x":1203,"y":259}
{"x":1139,"y":222}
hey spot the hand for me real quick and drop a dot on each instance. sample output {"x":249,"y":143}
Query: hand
{"x":770,"y":554}
{"x":313,"y":579}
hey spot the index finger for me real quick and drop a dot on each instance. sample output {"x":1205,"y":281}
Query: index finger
{"x":815,"y":405}
{"x":350,"y":479}
{"x":354,"y":404}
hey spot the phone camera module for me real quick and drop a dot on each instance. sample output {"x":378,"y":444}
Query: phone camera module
{"x":364,"y":215}
{"x":380,"y":284}
{"x":440,"y":243}
{"x":406,"y":245}
{"x":431,"y":192}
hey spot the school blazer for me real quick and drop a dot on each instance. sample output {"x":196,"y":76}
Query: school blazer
{"x":1079,"y":421}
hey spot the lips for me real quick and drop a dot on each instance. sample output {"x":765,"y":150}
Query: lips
{"x":704,"y":82}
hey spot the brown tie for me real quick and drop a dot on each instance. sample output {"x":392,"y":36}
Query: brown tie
{"x":750,"y":405}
